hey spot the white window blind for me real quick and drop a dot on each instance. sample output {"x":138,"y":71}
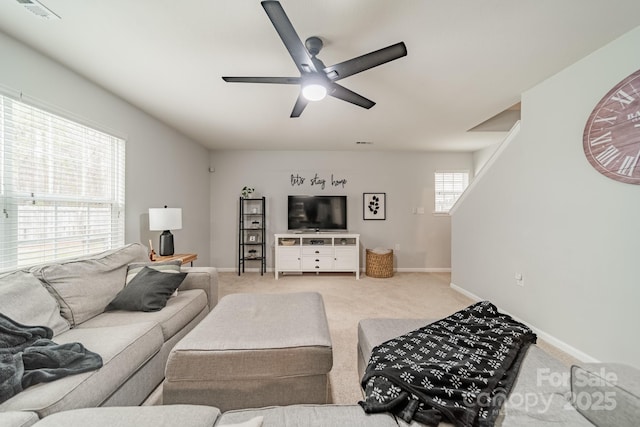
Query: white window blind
{"x":449,"y":186}
{"x":61,"y":187}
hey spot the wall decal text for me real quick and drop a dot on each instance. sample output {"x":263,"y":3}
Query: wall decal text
{"x":317,"y":180}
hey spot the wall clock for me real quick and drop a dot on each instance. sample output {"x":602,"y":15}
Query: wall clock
{"x":611,"y":139}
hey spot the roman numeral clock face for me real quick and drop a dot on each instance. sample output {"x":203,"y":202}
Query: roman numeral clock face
{"x":611,"y":139}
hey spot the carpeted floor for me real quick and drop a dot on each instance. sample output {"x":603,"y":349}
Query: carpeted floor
{"x":347,"y":300}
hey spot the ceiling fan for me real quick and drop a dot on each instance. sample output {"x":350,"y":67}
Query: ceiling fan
{"x":317,"y":80}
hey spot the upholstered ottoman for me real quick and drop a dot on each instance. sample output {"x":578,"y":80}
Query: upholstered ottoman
{"x":254,"y":350}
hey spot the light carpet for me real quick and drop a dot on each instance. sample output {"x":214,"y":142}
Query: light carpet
{"x":347,"y":301}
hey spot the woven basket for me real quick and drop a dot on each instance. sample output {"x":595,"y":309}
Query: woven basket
{"x":379,"y":265}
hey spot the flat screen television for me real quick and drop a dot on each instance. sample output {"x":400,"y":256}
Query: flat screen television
{"x":317,"y":213}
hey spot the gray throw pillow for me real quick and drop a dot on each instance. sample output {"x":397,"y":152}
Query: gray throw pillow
{"x":165,"y":266}
{"x":149,"y":290}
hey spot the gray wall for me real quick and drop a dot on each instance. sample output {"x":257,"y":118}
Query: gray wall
{"x":541,"y":210}
{"x":163,"y":167}
{"x":481,"y":157}
{"x":406,"y":178}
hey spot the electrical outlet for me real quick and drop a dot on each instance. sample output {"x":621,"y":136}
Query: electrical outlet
{"x":397,"y":248}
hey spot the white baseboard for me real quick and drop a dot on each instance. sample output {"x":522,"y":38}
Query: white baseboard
{"x":580,"y":355}
{"x":246,"y":270}
{"x":362,"y":270}
{"x":465,"y":292}
{"x":424,"y":270}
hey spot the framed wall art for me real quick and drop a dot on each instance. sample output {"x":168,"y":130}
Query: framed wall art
{"x":374,"y":206}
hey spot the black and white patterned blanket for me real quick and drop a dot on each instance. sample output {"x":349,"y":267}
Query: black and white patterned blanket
{"x":459,"y":369}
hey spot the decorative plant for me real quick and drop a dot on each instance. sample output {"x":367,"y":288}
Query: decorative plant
{"x":247,"y":191}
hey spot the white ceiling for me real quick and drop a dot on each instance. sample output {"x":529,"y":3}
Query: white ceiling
{"x":467,"y":61}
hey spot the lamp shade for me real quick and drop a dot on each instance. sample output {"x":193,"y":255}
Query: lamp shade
{"x":165,"y":219}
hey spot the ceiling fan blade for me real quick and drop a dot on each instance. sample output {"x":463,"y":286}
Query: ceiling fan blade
{"x":301,"y":102}
{"x":275,"y":80}
{"x":345,"y":94}
{"x":364,"y":62}
{"x":289,"y":36}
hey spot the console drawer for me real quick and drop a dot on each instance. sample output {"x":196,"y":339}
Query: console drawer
{"x":317,"y":250}
{"x":311,"y":263}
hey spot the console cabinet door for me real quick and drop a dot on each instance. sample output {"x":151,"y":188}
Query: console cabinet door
{"x":289,"y":259}
{"x":345,"y":258}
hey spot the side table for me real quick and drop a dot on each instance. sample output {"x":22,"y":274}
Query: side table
{"x":185,"y":258}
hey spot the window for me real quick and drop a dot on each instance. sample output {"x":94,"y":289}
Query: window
{"x":61,"y":187}
{"x":449,"y":186}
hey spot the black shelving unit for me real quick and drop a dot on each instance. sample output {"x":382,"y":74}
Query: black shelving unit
{"x":251,"y":234}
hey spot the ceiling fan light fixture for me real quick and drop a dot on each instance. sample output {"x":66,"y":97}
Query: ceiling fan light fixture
{"x":317,"y":80}
{"x":314,"y":92}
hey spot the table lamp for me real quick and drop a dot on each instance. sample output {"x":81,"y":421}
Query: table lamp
{"x":165,"y":219}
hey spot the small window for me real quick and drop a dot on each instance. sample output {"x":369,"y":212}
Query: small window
{"x":449,"y":186}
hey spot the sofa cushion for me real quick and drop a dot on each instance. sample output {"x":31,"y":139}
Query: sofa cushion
{"x":180,"y":310}
{"x":373,"y":332}
{"x":83,"y":287}
{"x":18,"y":418}
{"x":309,"y":415}
{"x":136,"y":416}
{"x":607,"y":394}
{"x":536,"y":410}
{"x":25,"y":300}
{"x":253,"y":422}
{"x":540,"y":393}
{"x":124,"y":349}
{"x":165,"y":266}
{"x":205,"y":278}
{"x":149,"y":290}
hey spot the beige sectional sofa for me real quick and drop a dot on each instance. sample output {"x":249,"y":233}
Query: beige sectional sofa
{"x":135,"y":346}
{"x":546,"y":392}
{"x":71,"y":297}
{"x":541,"y":405}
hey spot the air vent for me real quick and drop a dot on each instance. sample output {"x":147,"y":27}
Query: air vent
{"x":38,"y":9}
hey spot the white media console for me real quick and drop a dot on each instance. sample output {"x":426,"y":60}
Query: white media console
{"x":319,"y":252}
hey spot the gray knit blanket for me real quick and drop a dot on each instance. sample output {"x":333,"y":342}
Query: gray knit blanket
{"x":28,"y":357}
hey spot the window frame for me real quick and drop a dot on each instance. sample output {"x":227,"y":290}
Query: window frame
{"x":67,"y":224}
{"x":456,"y":194}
